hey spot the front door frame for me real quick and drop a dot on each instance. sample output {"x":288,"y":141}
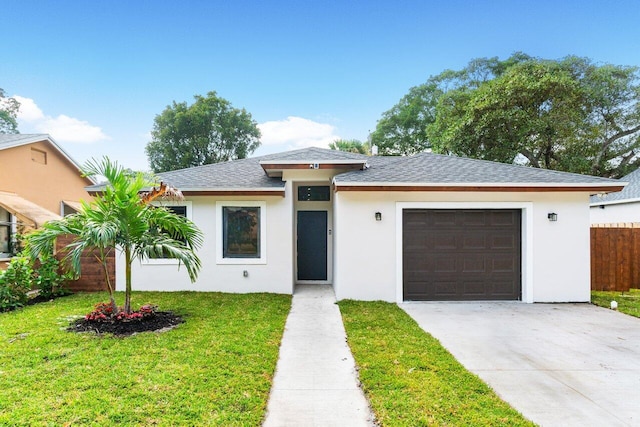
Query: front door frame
{"x":313,"y":206}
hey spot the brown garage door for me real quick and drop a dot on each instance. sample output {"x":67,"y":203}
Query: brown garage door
{"x":461,"y":254}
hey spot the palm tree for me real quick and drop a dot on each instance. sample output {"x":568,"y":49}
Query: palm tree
{"x":122,"y":217}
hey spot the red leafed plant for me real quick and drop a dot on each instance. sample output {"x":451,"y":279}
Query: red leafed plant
{"x":103,"y":312}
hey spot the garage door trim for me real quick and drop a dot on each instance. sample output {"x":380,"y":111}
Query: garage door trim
{"x":526,"y":240}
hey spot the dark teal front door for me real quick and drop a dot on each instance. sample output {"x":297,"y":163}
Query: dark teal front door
{"x":312,"y":245}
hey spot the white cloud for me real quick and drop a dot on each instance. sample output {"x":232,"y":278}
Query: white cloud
{"x":61,"y":128}
{"x":297,"y":132}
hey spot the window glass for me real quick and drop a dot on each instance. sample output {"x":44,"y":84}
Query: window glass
{"x":313,"y":193}
{"x":241,"y":232}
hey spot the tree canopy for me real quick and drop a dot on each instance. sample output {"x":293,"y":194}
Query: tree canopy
{"x":351,"y":146}
{"x":8,"y":113}
{"x":570,"y":114}
{"x":208,"y":131}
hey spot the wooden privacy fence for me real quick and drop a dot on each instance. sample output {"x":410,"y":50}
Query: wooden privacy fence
{"x":92,"y":275}
{"x":615,"y":256}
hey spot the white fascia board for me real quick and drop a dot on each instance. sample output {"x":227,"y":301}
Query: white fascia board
{"x":615,"y":202}
{"x":477,"y":184}
{"x":325,"y":162}
{"x":274,"y":189}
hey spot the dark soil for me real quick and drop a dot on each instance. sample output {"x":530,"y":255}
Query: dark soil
{"x":122,"y":328}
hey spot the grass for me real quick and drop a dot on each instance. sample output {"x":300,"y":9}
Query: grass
{"x":628,"y":302}
{"x":215,"y":369}
{"x":410,"y":379}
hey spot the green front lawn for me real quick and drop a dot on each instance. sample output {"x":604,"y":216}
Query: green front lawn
{"x":410,"y":379}
{"x":628,"y":302}
{"x":215,"y":369}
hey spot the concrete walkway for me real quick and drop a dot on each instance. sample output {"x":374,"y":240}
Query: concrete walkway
{"x":558,"y":364}
{"x":316,"y":382}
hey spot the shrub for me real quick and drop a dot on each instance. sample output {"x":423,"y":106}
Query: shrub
{"x":15,"y":282}
{"x":48,"y":278}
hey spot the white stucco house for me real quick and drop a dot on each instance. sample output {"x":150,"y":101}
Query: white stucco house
{"x":425,"y":227}
{"x":619,"y":207}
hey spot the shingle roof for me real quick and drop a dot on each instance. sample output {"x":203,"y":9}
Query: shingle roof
{"x":8,"y":140}
{"x":421,"y":169}
{"x":629,"y":193}
{"x":429,"y":168}
{"x":244,"y":173}
{"x":314,"y":153}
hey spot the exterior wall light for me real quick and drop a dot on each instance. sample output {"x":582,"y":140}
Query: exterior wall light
{"x":552,"y":216}
{"x":378,"y":216}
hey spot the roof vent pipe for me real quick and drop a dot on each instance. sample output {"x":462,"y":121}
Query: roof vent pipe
{"x":374,"y":150}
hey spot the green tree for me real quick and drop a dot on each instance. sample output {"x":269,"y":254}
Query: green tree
{"x":403,"y":130}
{"x":569,"y":114}
{"x":208,"y":131}
{"x":351,"y":146}
{"x":120,"y":217}
{"x":8,"y":112}
{"x":524,"y":112}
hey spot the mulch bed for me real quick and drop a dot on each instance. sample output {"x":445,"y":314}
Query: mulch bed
{"x":161,"y":320}
{"x":39,"y":298}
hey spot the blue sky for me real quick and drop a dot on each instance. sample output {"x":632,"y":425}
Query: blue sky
{"x":94,"y":74}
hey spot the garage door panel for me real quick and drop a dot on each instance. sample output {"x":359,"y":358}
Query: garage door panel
{"x":474,"y":288}
{"x":443,"y":242}
{"x":503,"y":242}
{"x":503,"y":218}
{"x":474,"y":242}
{"x":445,"y":289}
{"x":443,"y":264}
{"x":473,"y":218}
{"x":461,"y":254}
{"x":441,"y":218}
{"x":501,"y":288}
{"x":504,"y":264}
{"x":474,"y":264}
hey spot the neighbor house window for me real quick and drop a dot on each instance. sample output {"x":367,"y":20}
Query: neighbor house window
{"x":241,"y":227}
{"x":181,"y":209}
{"x":6,"y":237}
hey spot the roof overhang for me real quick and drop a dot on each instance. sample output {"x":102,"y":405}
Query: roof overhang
{"x":615,"y":202}
{"x":277,"y":191}
{"x":27,"y":212}
{"x":274,"y":169}
{"x":590,"y":188}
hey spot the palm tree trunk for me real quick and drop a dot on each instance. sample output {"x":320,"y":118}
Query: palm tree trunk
{"x":127,"y":292}
{"x":102,"y":259}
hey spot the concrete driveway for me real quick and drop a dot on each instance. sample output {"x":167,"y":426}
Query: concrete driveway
{"x":558,"y":364}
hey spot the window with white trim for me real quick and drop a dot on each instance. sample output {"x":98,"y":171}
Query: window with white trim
{"x":241,"y":232}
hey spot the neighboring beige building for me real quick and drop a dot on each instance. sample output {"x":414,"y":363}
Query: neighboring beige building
{"x":39,"y":181}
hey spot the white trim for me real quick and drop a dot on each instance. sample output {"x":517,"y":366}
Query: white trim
{"x":313,"y":161}
{"x":339,"y":184}
{"x":274,"y":189}
{"x":168,"y":261}
{"x":263,"y":232}
{"x":526,"y":241}
{"x":614,"y":202}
